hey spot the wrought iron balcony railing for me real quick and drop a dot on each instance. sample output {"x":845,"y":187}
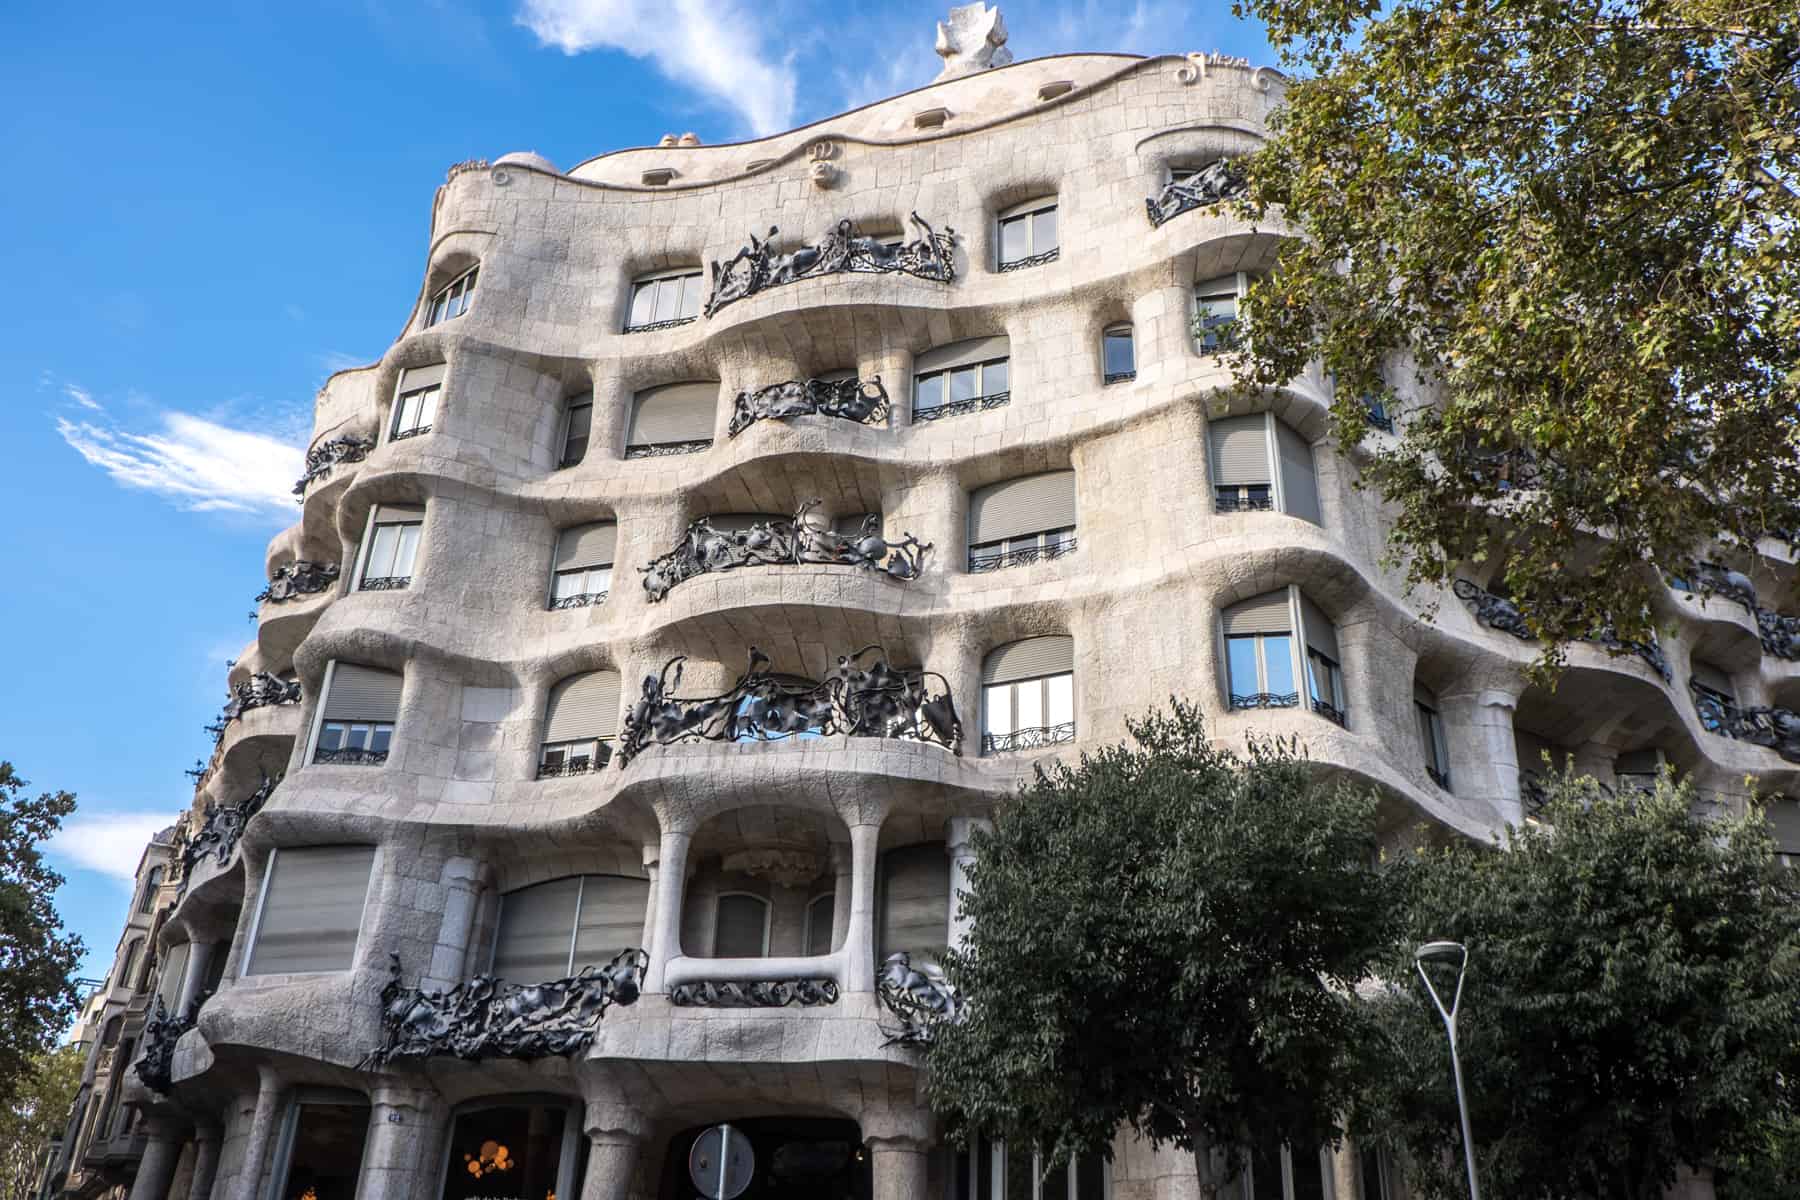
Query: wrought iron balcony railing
{"x":655,"y":326}
{"x":579,"y":765}
{"x":1032,"y":260}
{"x":1329,"y":711}
{"x":1503,"y":616}
{"x":218,"y":831}
{"x":1266,"y":700}
{"x":959,"y":408}
{"x":1113,"y":377}
{"x":384,"y":583}
{"x":774,"y":993}
{"x":1236,"y":502}
{"x":856,"y":400}
{"x":301,"y":577}
{"x":842,"y":250}
{"x":999,"y":560}
{"x":1777,"y":729}
{"x":410,"y":433}
{"x":1377,"y":415}
{"x":776,"y":542}
{"x":667,"y":449}
{"x":579,"y":600}
{"x":1217,"y":181}
{"x":326,"y":456}
{"x":1028,"y":739}
{"x":351,"y":756}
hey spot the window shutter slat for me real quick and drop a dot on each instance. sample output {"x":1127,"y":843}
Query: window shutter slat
{"x":1707,"y":675}
{"x":532,"y":943}
{"x":1299,"y":486}
{"x":612,"y":918}
{"x":1030,"y":659}
{"x":1218,"y":285}
{"x":313,"y":910}
{"x":680,"y":412}
{"x":363,"y":694}
{"x":915,"y":900}
{"x":961,"y":354}
{"x":1240,"y":450}
{"x":587,"y":546}
{"x":414,"y":378}
{"x":583,"y":706}
{"x":1267,"y":613}
{"x":1019,"y":506}
{"x":1321,"y":634}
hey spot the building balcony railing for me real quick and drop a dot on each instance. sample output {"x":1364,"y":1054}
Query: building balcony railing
{"x":1503,"y":616}
{"x":958,"y":408}
{"x":298,"y":578}
{"x":1032,"y":260}
{"x":864,"y":402}
{"x":1217,"y":181}
{"x":579,"y":600}
{"x":843,"y":249}
{"x":999,"y":560}
{"x":384,"y":583}
{"x":1035,"y":738}
{"x":667,"y":449}
{"x":582,"y":764}
{"x":1376,"y":414}
{"x":754,"y":993}
{"x":1265,"y":700}
{"x":351,"y":756}
{"x":325,"y":457}
{"x":655,"y":326}
{"x":1236,"y":502}
{"x":779,"y":542}
{"x":1329,"y":711}
{"x":1777,"y":729}
{"x":410,"y":433}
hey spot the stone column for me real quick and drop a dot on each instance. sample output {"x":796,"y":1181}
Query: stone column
{"x":200,"y":956}
{"x":462,"y":880}
{"x":671,"y":877}
{"x":615,"y":1136}
{"x":961,"y":855}
{"x":1484,"y":760}
{"x":898,"y":1166}
{"x":840,"y":894}
{"x":859,"y":938}
{"x":651,"y":860}
{"x":1346,"y":1172}
{"x":271,"y":1094}
{"x":156,"y":1170}
{"x":405,"y":1127}
{"x":206,"y":1161}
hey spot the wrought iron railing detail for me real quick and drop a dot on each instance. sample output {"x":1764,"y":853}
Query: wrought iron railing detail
{"x":1441,"y":778}
{"x":1217,"y":181}
{"x":486,"y":1017}
{"x":1217,"y":332}
{"x":1714,"y":579}
{"x":261,"y":690}
{"x":1534,"y":793}
{"x":1265,"y":700}
{"x":856,"y":700}
{"x":1234,"y":502}
{"x":410,"y":433}
{"x":1778,"y":729}
{"x":806,"y":993}
{"x":302,"y":577}
{"x":219,"y":830}
{"x":757,"y":268}
{"x":657,"y":326}
{"x":667,"y":449}
{"x":1376,"y":414}
{"x":1035,"y":738}
{"x":862,"y":401}
{"x":921,"y":997}
{"x":155,"y":1067}
{"x":773,"y":543}
{"x":960,"y":408}
{"x":384,"y":583}
{"x":1329,"y":711}
{"x":580,"y":765}
{"x":323,"y":458}
{"x":1651,"y":652}
{"x":1509,"y":470}
{"x":998,"y":560}
{"x":353,"y":756}
{"x":1112,"y":377}
{"x":1495,"y":612}
{"x":1780,"y":635}
{"x":579,"y":600}
{"x":1032,"y":260}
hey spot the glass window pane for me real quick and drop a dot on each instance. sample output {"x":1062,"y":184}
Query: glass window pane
{"x":818,"y":925}
{"x":325,"y":1162}
{"x":994,"y":377}
{"x":1060,"y":693}
{"x":1020,"y":1175}
{"x":331,"y":737}
{"x":668,"y":299}
{"x":931,"y":391}
{"x":514,"y":1151}
{"x":437,"y":311}
{"x":381,"y":552}
{"x":599,"y":580}
{"x":427,"y":408}
{"x":1090,"y":1178}
{"x":1043,"y":231}
{"x":690,"y":296}
{"x":1056,"y":1183}
{"x":1029,"y":696}
{"x":1119,"y":358}
{"x":1309,"y":1175}
{"x":407,"y":549}
{"x":996,"y":708}
{"x":1240,"y":658}
{"x":568,"y":583}
{"x":643,"y":304}
{"x":1014,"y":239}
{"x":581,"y":422}
{"x":739,"y":930}
{"x":1278,"y":663}
{"x":379,"y":738}
{"x":962,"y":384}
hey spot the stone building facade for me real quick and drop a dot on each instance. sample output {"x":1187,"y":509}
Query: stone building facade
{"x":727,"y":530}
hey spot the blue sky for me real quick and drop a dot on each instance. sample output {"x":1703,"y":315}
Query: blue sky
{"x":212,"y":208}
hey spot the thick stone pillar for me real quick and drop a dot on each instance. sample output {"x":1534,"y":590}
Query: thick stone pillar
{"x":200,"y":957}
{"x":840,"y":894}
{"x":406,"y":1128}
{"x":961,"y":855}
{"x":463,"y":884}
{"x":206,"y":1162}
{"x":670,"y":880}
{"x":156,"y":1170}
{"x":271,"y":1094}
{"x":1484,"y":760}
{"x":652,"y":859}
{"x":898,"y":1166}
{"x":859,"y":938}
{"x":615,"y":1136}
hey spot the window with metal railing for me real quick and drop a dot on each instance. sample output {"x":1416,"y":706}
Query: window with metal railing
{"x":453,"y":299}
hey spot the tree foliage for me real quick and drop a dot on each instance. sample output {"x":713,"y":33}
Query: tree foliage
{"x":37,"y":958}
{"x":1630,"y":1004}
{"x":1579,"y":220}
{"x":1164,"y":936}
{"x":37,"y":1112}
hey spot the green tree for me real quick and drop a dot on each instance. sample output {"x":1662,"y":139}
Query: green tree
{"x":1630,"y":1005}
{"x":1164,"y":936}
{"x":37,"y":958}
{"x":37,"y":1112}
{"x":1579,"y":220}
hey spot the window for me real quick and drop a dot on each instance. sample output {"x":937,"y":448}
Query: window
{"x":321,"y":1150}
{"x":577,"y":427}
{"x":1278,"y":1173}
{"x":453,"y":300}
{"x":962,"y":378}
{"x":1324,"y":677}
{"x":914,"y":902}
{"x":1638,"y":770}
{"x":127,"y":961}
{"x":1374,"y":1174}
{"x":676,"y":419}
{"x":527,"y":1151}
{"x":415,"y":401}
{"x":1259,"y":464}
{"x":664,"y":301}
{"x":1216,"y":313}
{"x":172,"y":975}
{"x":741,"y":926}
{"x":821,"y":912}
{"x":1714,"y":697}
{"x":582,"y":573}
{"x":361,"y":705}
{"x":1028,"y":695}
{"x":1431,"y":736}
{"x":552,"y":930}
{"x":1022,"y":521}
{"x":989,"y":1170}
{"x":310,"y":911}
{"x":1118,"y":356}
{"x":152,"y":881}
{"x":579,"y":724}
{"x":1259,"y":652}
{"x":393,"y":544}
{"x":1028,"y":235}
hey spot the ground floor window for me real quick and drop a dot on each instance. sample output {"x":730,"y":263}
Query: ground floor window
{"x":1277,"y":1173}
{"x":514,"y":1151}
{"x":321,"y":1150}
{"x":989,"y":1170}
{"x":792,"y":1158}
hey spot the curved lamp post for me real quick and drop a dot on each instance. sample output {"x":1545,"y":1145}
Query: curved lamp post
{"x":1451,"y":954}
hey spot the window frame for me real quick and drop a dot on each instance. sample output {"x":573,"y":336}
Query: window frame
{"x":1208,"y":343}
{"x":1052,"y":729}
{"x":768,"y":911}
{"x":1249,"y":497}
{"x":437,"y":309}
{"x":806,"y":934}
{"x":397,"y":430}
{"x":132,"y":948}
{"x":570,"y":408}
{"x":573,"y":1140}
{"x":1118,"y":331}
{"x":1327,"y":1182}
{"x":262,"y":900}
{"x":595,"y":757}
{"x":1295,"y":669}
{"x":153,"y":880}
{"x":999,"y":1160}
{"x":1432,"y":742}
{"x":981,"y":399}
{"x":655,"y":280}
{"x":366,"y":551}
{"x":1026,"y":214}
{"x":1334,"y":675}
{"x":1045,"y":545}
{"x":289,"y":1130}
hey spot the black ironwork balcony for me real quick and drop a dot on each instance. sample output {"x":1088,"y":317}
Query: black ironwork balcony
{"x":1441,"y":778}
{"x":1329,"y":711}
{"x":919,"y":996}
{"x":354,"y":756}
{"x":384,"y":583}
{"x":1713,"y":579}
{"x":864,"y":402}
{"x":655,"y":326}
{"x":1217,"y":181}
{"x":1777,"y":729}
{"x":1032,"y":260}
{"x":1217,"y":332}
{"x":582,"y":764}
{"x":1508,"y":470}
{"x":324,"y":457}
{"x":959,"y":408}
{"x":1236,"y":502}
{"x":1266,"y":700}
{"x":999,"y":560}
{"x":1028,"y":739}
{"x":776,"y":542}
{"x":842,"y":250}
{"x":1502,"y":615}
{"x":218,"y":831}
{"x":667,"y":449}
{"x":156,"y":1066}
{"x":1377,"y":416}
{"x":774,"y":993}
{"x":1780,"y":635}
{"x":261,"y":690}
{"x":1118,"y":377}
{"x":302,"y":577}
{"x":410,"y":433}
{"x":579,"y":600}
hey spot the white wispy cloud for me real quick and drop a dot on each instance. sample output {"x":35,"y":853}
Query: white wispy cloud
{"x":82,"y":397}
{"x":108,"y":842}
{"x":199,"y":464}
{"x":714,"y":47}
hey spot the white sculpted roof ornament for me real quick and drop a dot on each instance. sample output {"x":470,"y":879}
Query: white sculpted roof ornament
{"x":973,"y":39}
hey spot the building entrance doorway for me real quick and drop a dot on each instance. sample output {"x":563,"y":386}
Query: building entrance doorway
{"x":793,"y":1158}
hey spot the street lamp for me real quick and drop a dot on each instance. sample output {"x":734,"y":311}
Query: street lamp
{"x":1457,"y":954}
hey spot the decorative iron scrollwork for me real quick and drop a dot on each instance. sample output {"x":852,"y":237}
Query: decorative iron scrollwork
{"x":1028,"y":739}
{"x":487,"y":1017}
{"x":580,"y":764}
{"x":857,"y":700}
{"x":261,"y":690}
{"x":579,"y":600}
{"x":807,"y":993}
{"x":301,"y":577}
{"x":351,"y":756}
{"x":658,"y":326}
{"x":1222,"y":179}
{"x":1778,"y":729}
{"x":156,"y":1066}
{"x":384,"y":583}
{"x":997,"y":560}
{"x":1329,"y":711}
{"x":1716,"y":580}
{"x":960,"y":408}
{"x":220,"y":829}
{"x":1233,"y":501}
{"x":921,"y":997}
{"x":1493,"y":611}
{"x":757,"y":268}
{"x":324,"y":457}
{"x":772,"y":543}
{"x":1032,"y":260}
{"x":865,"y":402}
{"x":1780,"y":635}
{"x":1266,"y":700}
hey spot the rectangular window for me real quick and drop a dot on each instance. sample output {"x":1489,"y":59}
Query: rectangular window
{"x":1431,"y":743}
{"x":323,"y":1152}
{"x":996,"y":1172}
{"x":741,"y":927}
{"x":1278,"y":1173}
{"x":393,"y":547}
{"x":962,"y":389}
{"x":311,"y":910}
{"x":578,"y":589}
{"x":1325,"y":684}
{"x":453,"y":300}
{"x":1028,"y":236}
{"x":354,"y":741}
{"x":576,"y":429}
{"x":1021,"y":551}
{"x":1118,"y":355}
{"x":1216,"y":313}
{"x":664,"y":301}
{"x":573,"y":758}
{"x":1261,"y":667}
{"x":414,"y":411}
{"x":1028,"y":713}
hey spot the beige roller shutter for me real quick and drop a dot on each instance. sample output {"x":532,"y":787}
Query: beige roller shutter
{"x":583,"y":706}
{"x":1240,"y":450}
{"x":312,"y":910}
{"x":915,"y":900}
{"x":680,"y":412}
{"x":587,"y":546}
{"x":362,"y":694}
{"x":537,"y":928}
{"x":390,"y":514}
{"x":1299,"y":486}
{"x":174,"y":970}
{"x":1030,"y":659}
{"x":1709,"y":676}
{"x":414,"y":378}
{"x":961,"y":354}
{"x":1321,"y":634}
{"x":1218,"y":285}
{"x":1267,"y":613}
{"x":1020,"y":506}
{"x":612,"y":918}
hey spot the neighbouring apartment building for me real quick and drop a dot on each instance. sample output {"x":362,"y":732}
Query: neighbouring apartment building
{"x":728,"y":529}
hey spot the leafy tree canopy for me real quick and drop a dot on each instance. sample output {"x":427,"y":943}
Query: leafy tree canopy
{"x":1579,"y":222}
{"x":37,"y":1112}
{"x":37,"y":958}
{"x":1164,"y":936}
{"x":1630,"y":1005}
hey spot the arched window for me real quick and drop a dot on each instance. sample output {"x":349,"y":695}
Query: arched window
{"x":664,"y":300}
{"x":674,"y":419}
{"x":821,"y":911}
{"x":552,"y":930}
{"x":453,"y":299}
{"x":152,"y":881}
{"x":1259,"y":464}
{"x":579,"y":724}
{"x":741,"y":926}
{"x":1028,"y":695}
{"x":1022,"y":521}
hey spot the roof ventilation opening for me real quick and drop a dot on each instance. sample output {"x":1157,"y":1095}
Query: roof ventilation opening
{"x":1060,"y":87}
{"x":658,"y":176}
{"x":931,"y":118}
